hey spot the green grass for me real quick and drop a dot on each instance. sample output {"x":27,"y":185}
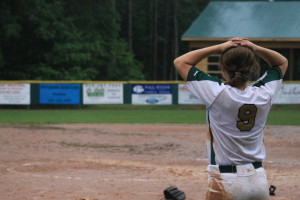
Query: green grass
{"x":279,"y":115}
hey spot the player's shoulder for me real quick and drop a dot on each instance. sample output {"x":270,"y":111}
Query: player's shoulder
{"x":248,"y":93}
{"x":196,"y":74}
{"x":272,"y":75}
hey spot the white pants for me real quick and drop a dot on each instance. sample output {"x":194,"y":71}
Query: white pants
{"x":247,"y":184}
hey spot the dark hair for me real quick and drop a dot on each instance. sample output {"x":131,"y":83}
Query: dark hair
{"x":241,"y":64}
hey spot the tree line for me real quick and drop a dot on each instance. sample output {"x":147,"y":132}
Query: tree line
{"x":93,"y":40}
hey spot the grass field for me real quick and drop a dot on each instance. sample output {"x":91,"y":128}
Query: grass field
{"x":279,"y":115}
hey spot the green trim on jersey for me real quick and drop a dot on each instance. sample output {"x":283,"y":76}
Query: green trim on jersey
{"x":196,"y":74}
{"x":273,"y":74}
{"x":212,"y":151}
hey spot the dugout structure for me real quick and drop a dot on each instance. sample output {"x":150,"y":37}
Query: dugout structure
{"x":271,"y":24}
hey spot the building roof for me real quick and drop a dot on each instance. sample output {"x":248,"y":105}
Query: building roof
{"x":265,"y":20}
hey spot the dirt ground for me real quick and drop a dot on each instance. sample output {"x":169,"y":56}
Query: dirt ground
{"x":125,"y":161}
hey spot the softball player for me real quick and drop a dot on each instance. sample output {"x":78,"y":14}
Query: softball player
{"x":236,"y":115}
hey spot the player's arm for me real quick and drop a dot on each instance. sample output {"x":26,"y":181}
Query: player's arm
{"x":273,"y":58}
{"x":184,"y":63}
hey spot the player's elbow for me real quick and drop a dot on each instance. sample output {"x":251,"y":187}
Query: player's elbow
{"x":182,"y":67}
{"x":285,"y":62}
{"x":284,"y":65}
{"x":178,"y":63}
{"x":175,"y":62}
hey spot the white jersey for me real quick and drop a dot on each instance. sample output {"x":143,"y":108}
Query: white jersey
{"x":236,"y":118}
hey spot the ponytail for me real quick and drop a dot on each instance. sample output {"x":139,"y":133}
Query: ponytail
{"x":237,"y":79}
{"x":240,"y":63}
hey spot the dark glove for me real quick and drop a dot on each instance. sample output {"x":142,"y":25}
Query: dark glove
{"x":172,"y":193}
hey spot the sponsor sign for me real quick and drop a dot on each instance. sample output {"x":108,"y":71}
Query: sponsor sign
{"x":185,"y":97}
{"x":106,"y":93}
{"x":289,"y":94}
{"x":143,"y":94}
{"x":59,"y":93}
{"x":14,"y":94}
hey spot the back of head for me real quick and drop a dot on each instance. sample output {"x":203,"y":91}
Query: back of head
{"x":240,"y":63}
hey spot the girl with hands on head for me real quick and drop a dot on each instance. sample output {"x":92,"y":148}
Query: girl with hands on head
{"x":236,"y":114}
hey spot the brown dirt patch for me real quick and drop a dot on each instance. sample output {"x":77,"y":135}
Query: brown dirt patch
{"x":125,"y":161}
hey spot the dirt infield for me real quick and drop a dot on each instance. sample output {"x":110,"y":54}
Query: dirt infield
{"x":125,"y":161}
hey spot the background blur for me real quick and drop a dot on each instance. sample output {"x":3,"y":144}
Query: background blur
{"x":93,"y":40}
{"x":126,"y":40}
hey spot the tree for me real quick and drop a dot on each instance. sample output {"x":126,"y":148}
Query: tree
{"x":93,"y":40}
{"x":156,"y":29}
{"x":129,"y":27}
{"x":66,"y":40}
{"x":154,"y":39}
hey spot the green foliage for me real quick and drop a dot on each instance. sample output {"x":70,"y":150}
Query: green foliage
{"x":63,"y":40}
{"x":124,"y":66}
{"x":88,"y":40}
{"x":172,"y":19}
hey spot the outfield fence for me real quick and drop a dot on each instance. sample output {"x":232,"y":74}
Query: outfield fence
{"x":113,"y":92}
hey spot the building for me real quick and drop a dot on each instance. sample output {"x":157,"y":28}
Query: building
{"x":272,"y":24}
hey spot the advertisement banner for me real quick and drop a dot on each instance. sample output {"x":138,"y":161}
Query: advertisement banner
{"x":106,"y":93}
{"x":14,"y":94}
{"x":145,"y":94}
{"x":185,"y":97}
{"x":59,"y":93}
{"x":289,"y":94}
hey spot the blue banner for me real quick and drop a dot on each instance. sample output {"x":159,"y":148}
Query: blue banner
{"x":59,"y":93}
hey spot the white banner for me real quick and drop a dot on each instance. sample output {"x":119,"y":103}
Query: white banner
{"x":145,"y":94}
{"x":147,"y":99}
{"x":289,"y":94}
{"x":185,"y":97}
{"x":104,"y":93}
{"x":14,"y":94}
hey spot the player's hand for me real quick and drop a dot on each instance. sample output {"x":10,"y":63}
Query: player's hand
{"x":249,"y":44}
{"x":237,"y":39}
{"x":243,"y":42}
{"x":228,"y":44}
{"x":232,"y":42}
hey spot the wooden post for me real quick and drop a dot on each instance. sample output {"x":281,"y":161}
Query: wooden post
{"x":291,"y":64}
